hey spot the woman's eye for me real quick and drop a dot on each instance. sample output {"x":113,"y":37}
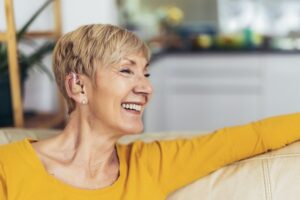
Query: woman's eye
{"x":147,"y":75}
{"x":126,"y":71}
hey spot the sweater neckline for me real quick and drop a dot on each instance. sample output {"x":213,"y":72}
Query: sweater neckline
{"x":72,"y":189}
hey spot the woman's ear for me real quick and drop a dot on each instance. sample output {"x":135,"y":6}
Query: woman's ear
{"x":75,"y":88}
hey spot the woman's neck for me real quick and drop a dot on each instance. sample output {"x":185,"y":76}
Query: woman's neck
{"x":84,"y":144}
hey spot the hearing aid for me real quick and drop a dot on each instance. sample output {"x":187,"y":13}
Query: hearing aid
{"x":76,"y":87}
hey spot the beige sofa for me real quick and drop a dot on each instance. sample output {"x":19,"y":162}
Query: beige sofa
{"x":271,"y":176}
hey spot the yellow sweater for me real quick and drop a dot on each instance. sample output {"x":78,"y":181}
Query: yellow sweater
{"x":148,"y":171}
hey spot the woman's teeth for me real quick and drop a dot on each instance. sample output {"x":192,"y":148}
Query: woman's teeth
{"x":132,"y":106}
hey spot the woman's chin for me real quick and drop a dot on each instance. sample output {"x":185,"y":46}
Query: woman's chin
{"x":133,"y":130}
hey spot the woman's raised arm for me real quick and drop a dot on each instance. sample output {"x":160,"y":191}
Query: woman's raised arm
{"x":175,"y":163}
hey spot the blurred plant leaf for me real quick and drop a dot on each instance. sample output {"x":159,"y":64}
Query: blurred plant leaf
{"x":40,"y":52}
{"x":31,"y":20}
{"x":37,"y":57}
{"x":34,"y":59}
{"x":44,"y":68}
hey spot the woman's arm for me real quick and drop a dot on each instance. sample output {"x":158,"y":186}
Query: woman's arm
{"x":176,"y":163}
{"x":2,"y":185}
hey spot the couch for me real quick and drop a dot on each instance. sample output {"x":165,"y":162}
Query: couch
{"x":270,"y":176}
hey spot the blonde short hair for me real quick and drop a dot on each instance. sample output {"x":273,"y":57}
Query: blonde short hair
{"x":89,"y":46}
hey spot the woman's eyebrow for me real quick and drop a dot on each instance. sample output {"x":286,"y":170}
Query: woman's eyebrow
{"x":133,"y":63}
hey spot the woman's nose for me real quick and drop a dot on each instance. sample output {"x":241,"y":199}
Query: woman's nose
{"x":143,"y":86}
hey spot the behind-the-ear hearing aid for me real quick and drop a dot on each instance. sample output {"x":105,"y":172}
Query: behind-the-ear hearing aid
{"x":76,"y":86}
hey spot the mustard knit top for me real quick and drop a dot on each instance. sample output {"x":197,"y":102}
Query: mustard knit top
{"x":148,"y":171}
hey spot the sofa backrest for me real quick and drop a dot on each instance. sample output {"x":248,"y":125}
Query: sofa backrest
{"x":8,"y":135}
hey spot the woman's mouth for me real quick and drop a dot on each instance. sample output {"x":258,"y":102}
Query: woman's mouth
{"x":132,"y":107}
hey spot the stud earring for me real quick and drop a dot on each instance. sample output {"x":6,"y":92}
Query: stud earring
{"x":84,"y":102}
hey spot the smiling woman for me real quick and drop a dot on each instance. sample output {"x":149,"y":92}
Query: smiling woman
{"x":102,"y":71}
{"x":119,"y":95}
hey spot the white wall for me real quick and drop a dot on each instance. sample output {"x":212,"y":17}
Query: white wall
{"x":40,"y":92}
{"x":78,"y":12}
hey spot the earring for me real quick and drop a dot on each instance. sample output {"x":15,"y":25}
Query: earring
{"x":84,"y":102}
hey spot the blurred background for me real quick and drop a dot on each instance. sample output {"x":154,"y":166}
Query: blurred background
{"x":215,"y":63}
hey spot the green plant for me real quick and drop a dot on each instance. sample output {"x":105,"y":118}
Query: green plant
{"x":27,"y":61}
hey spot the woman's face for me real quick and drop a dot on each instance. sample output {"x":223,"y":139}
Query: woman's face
{"x":119,"y":95}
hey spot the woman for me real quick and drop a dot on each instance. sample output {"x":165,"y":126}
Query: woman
{"x":102,"y":71}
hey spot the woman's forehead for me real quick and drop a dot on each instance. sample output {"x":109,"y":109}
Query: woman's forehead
{"x":135,"y":59}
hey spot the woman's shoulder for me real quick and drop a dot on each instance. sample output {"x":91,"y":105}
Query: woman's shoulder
{"x":143,"y":147}
{"x":11,"y":151}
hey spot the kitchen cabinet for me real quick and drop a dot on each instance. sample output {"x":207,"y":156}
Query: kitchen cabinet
{"x":203,"y":92}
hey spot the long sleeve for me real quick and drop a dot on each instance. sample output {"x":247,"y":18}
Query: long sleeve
{"x":175,"y":163}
